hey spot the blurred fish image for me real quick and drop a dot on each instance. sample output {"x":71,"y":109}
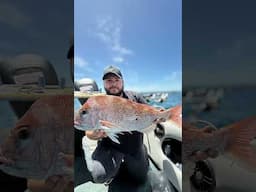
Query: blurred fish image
{"x":174,"y":123}
{"x":115,"y":115}
{"x":33,"y":147}
{"x":236,"y":141}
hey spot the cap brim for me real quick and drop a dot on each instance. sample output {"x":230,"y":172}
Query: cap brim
{"x":116,"y":74}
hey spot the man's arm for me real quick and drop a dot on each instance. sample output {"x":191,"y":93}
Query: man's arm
{"x":140,"y":98}
{"x":95,"y":135}
{"x":135,"y":96}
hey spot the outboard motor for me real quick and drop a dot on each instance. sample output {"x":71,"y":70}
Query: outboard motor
{"x":26,"y":69}
{"x":86,"y":85}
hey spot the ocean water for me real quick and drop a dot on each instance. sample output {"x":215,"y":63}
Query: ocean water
{"x":236,"y":104}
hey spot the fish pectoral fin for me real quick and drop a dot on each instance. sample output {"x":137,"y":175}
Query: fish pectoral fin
{"x":113,"y":137}
{"x":108,"y":124}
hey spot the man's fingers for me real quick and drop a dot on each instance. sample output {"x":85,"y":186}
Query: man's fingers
{"x":96,"y":134}
{"x":52,"y":181}
{"x":99,"y":134}
{"x":60,"y":185}
{"x":103,"y":134}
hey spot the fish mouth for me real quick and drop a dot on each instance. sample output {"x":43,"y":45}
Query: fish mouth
{"x":78,"y":125}
{"x":5,"y":161}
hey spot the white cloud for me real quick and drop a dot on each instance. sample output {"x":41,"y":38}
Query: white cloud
{"x":104,"y":37}
{"x":109,"y":32}
{"x":82,"y":66}
{"x":175,"y":75}
{"x":80,"y":62}
{"x":121,"y":50}
{"x":118,"y":59}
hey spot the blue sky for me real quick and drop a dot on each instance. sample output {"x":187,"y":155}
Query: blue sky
{"x":141,"y":37}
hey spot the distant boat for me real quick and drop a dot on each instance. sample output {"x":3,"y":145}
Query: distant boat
{"x":162,"y":98}
{"x":203,"y":99}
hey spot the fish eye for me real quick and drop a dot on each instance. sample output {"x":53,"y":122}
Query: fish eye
{"x":83,"y":112}
{"x":23,"y":133}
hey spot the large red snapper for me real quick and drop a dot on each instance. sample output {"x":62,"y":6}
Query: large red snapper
{"x":115,"y":114}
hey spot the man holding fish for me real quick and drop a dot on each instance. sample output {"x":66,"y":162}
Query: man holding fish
{"x":118,"y":121}
{"x":129,"y":155}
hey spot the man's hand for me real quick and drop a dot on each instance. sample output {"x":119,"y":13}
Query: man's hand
{"x":96,"y":135}
{"x":203,"y":155}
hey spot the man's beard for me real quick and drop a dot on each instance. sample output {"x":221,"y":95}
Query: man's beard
{"x":115,"y":94}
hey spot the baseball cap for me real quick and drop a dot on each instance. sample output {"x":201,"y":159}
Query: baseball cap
{"x":114,"y":70}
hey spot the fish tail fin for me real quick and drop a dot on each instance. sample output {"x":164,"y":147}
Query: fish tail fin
{"x":242,"y":143}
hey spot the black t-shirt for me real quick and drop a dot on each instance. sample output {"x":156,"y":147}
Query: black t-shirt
{"x":129,"y":143}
